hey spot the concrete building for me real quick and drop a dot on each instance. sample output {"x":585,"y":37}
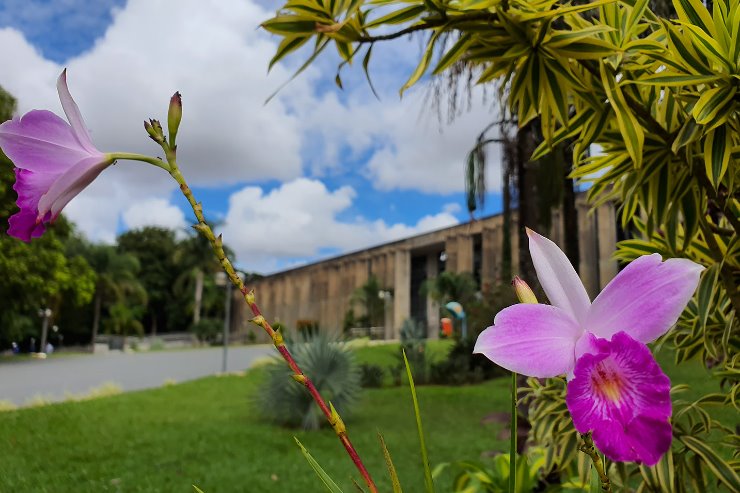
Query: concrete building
{"x":321,"y":291}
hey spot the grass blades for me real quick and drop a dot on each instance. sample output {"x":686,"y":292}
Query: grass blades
{"x":328,"y":482}
{"x":389,"y":464}
{"x":428,"y":481}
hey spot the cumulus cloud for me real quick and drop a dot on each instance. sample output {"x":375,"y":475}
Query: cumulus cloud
{"x":299,"y":220}
{"x":213,"y":52}
{"x":154,"y":212}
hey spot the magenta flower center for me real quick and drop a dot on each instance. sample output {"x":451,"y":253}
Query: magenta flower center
{"x":607,"y":383}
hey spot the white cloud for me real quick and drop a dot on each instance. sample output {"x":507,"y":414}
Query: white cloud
{"x":210,"y":51}
{"x":299,"y":219}
{"x":213,"y":52}
{"x":154,"y":212}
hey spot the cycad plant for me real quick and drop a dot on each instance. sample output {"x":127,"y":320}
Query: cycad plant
{"x":331,"y":366}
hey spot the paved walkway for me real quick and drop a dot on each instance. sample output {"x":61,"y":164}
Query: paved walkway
{"x":51,"y":378}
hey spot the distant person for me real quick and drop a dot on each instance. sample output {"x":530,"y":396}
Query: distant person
{"x":49,"y":348}
{"x":32,"y":346}
{"x":15,"y":348}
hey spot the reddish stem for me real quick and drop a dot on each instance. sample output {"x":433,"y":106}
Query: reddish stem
{"x":331,"y":415}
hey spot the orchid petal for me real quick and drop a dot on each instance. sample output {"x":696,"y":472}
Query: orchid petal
{"x":30,"y":187}
{"x":71,"y":183}
{"x":645,"y":299}
{"x":534,"y":340}
{"x":73,"y":114}
{"x":623,"y":397}
{"x":40,"y":141}
{"x":558,"y":277}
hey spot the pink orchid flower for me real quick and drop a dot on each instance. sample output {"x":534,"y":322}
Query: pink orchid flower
{"x":616,"y":388}
{"x":54,"y":161}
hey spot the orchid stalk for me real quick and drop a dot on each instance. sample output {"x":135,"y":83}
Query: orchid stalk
{"x":204,"y":228}
{"x":55,"y":160}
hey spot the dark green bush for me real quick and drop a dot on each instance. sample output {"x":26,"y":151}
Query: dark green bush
{"x":371,"y":376}
{"x":462,"y":366}
{"x":207,"y":329}
{"x":414,"y":343}
{"x":332,"y":368}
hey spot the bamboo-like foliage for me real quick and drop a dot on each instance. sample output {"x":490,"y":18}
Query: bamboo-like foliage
{"x":661,"y":100}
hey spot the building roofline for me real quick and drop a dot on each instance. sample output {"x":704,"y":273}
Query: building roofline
{"x":374,"y":247}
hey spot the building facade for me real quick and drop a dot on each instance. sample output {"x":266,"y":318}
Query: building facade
{"x":322,"y":291}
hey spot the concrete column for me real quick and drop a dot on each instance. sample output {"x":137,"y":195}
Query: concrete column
{"x":402,"y":293}
{"x":432,"y":306}
{"x":464,"y":253}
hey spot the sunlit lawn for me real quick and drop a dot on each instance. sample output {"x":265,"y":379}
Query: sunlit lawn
{"x":208,"y":433}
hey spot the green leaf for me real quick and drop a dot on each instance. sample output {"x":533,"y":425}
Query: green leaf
{"x":287,"y":45}
{"x":319,"y":48}
{"x":629,"y":127}
{"x":711,"y":103}
{"x":676,"y":80}
{"x":389,"y":464}
{"x":365,"y":65}
{"x":398,"y":16}
{"x":197,"y":490}
{"x":423,"y":63}
{"x":428,"y":481}
{"x":717,"y":152}
{"x":290,"y":25}
{"x":328,"y":482}
{"x":714,"y":462}
{"x":689,"y":132}
{"x":454,"y":53}
{"x":693,"y":12}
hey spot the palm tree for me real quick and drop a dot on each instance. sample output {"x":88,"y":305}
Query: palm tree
{"x":117,"y":280}
{"x":194,"y":257}
{"x":452,"y":286}
{"x":368,"y":297}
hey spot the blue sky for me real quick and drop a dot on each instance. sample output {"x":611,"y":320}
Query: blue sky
{"x":317,"y":171}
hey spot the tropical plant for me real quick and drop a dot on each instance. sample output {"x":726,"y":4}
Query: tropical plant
{"x":116,"y":281}
{"x":452,"y":286}
{"x":658,"y":97}
{"x":333,"y":370}
{"x":531,"y":471}
{"x":414,"y":346}
{"x":372,"y":306}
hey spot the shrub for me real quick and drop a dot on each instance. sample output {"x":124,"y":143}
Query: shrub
{"x":462,"y":366}
{"x":207,"y":329}
{"x":414,"y":343}
{"x":332,"y":368}
{"x":371,"y":376}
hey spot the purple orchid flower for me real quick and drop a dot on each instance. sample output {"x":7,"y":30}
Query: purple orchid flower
{"x":616,"y":388}
{"x":54,"y":161}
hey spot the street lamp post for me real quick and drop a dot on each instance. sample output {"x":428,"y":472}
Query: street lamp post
{"x":223,"y":280}
{"x":45,"y":314}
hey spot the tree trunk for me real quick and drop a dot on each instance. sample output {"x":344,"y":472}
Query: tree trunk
{"x":570,"y":213}
{"x":198,"y":302}
{"x":509,"y":166}
{"x":526,"y":142}
{"x":96,"y":317}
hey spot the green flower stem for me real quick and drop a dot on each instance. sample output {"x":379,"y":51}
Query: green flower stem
{"x":217,"y":244}
{"x":512,"y":445}
{"x":588,"y":448}
{"x":139,"y":157}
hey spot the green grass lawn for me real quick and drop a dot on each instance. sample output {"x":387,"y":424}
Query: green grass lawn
{"x":207,"y":432}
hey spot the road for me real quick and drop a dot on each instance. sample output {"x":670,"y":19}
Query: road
{"x":62,"y":374}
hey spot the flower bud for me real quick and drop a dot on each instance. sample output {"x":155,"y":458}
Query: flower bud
{"x":154,"y":129}
{"x":523,"y":291}
{"x":174,"y":115}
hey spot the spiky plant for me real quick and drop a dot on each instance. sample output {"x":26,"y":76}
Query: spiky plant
{"x":331,"y":366}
